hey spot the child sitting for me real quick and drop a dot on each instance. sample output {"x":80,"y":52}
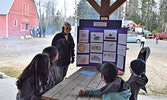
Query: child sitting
{"x":137,"y":79}
{"x":55,"y":74}
{"x":32,"y":83}
{"x":115,"y":88}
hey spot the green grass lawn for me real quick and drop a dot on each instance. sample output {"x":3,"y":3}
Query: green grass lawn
{"x":10,"y":71}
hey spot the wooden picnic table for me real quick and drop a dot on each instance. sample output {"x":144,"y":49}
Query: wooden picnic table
{"x":69,"y":88}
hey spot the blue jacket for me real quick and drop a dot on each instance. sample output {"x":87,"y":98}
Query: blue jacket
{"x":116,"y":90}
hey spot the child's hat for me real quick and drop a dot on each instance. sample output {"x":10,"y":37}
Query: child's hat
{"x":138,"y":66}
{"x":109,"y":70}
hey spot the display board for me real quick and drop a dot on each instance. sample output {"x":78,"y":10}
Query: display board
{"x":100,"y":41}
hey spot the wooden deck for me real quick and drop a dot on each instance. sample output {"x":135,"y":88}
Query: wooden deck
{"x":69,"y":88}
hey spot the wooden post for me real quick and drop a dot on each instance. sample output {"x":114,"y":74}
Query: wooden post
{"x":105,"y":10}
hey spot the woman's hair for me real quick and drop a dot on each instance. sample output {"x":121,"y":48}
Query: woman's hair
{"x":65,"y":24}
{"x":51,"y":51}
{"x":38,"y":69}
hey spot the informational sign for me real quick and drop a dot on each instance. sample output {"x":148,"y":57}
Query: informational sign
{"x":100,"y":41}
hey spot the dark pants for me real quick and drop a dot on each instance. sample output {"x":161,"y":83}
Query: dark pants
{"x":142,"y":44}
{"x":65,"y":71}
{"x":62,"y":71}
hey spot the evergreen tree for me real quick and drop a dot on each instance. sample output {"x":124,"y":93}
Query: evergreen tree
{"x":86,"y":11}
{"x":57,"y":20}
{"x":132,"y":11}
{"x":147,"y":13}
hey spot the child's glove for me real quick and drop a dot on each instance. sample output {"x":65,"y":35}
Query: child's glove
{"x":72,"y":59}
{"x":81,"y":92}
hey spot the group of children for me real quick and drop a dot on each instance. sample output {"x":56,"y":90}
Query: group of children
{"x":39,"y":76}
{"x":42,"y":74}
{"x":116,"y":88}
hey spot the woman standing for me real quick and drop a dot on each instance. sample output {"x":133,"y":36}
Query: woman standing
{"x":65,"y":44}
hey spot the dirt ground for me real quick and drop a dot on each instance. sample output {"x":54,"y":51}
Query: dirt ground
{"x":156,"y":66}
{"x":16,"y":54}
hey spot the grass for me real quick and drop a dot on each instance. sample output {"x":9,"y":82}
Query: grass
{"x":10,"y":71}
{"x":162,"y":92}
{"x":158,"y":93}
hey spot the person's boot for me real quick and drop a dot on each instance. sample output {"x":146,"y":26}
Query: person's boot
{"x":144,"y":88}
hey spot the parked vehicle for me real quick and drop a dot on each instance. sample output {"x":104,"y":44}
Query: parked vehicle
{"x":148,"y":34}
{"x":161,"y":35}
{"x":133,"y":38}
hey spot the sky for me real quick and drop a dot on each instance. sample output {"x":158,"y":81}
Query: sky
{"x":70,"y":6}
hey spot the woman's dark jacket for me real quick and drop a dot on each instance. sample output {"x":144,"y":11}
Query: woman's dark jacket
{"x":29,"y":92}
{"x":144,"y":56}
{"x":136,"y":83}
{"x":65,"y":48}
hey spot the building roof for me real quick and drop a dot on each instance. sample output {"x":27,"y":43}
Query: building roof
{"x":5,"y":6}
{"x":125,"y":22}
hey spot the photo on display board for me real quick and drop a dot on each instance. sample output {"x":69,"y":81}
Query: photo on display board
{"x":82,"y":59}
{"x":83,"y":48}
{"x":120,"y":61}
{"x":109,"y":46}
{"x":122,"y":39}
{"x":96,"y":37}
{"x":109,"y":56}
{"x":110,"y":34}
{"x":95,"y":58}
{"x":83,"y":35}
{"x":96,"y":47}
{"x":121,"y":50}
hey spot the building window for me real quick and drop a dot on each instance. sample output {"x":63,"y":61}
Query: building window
{"x":27,"y":26}
{"x":15,"y":22}
{"x":24,"y":27}
{"x":25,"y":9}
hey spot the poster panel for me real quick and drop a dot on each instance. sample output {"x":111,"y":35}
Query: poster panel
{"x":101,"y":41}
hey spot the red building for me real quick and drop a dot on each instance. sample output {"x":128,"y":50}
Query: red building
{"x":17,"y":17}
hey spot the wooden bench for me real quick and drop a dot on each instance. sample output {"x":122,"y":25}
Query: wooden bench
{"x":69,"y":88}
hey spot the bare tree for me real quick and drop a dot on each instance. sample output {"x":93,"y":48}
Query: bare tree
{"x":163,"y":14}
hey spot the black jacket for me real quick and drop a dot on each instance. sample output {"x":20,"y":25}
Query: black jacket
{"x":144,"y":56}
{"x":135,"y":84}
{"x":54,"y":76}
{"x":65,"y":48}
{"x":28,"y":92}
